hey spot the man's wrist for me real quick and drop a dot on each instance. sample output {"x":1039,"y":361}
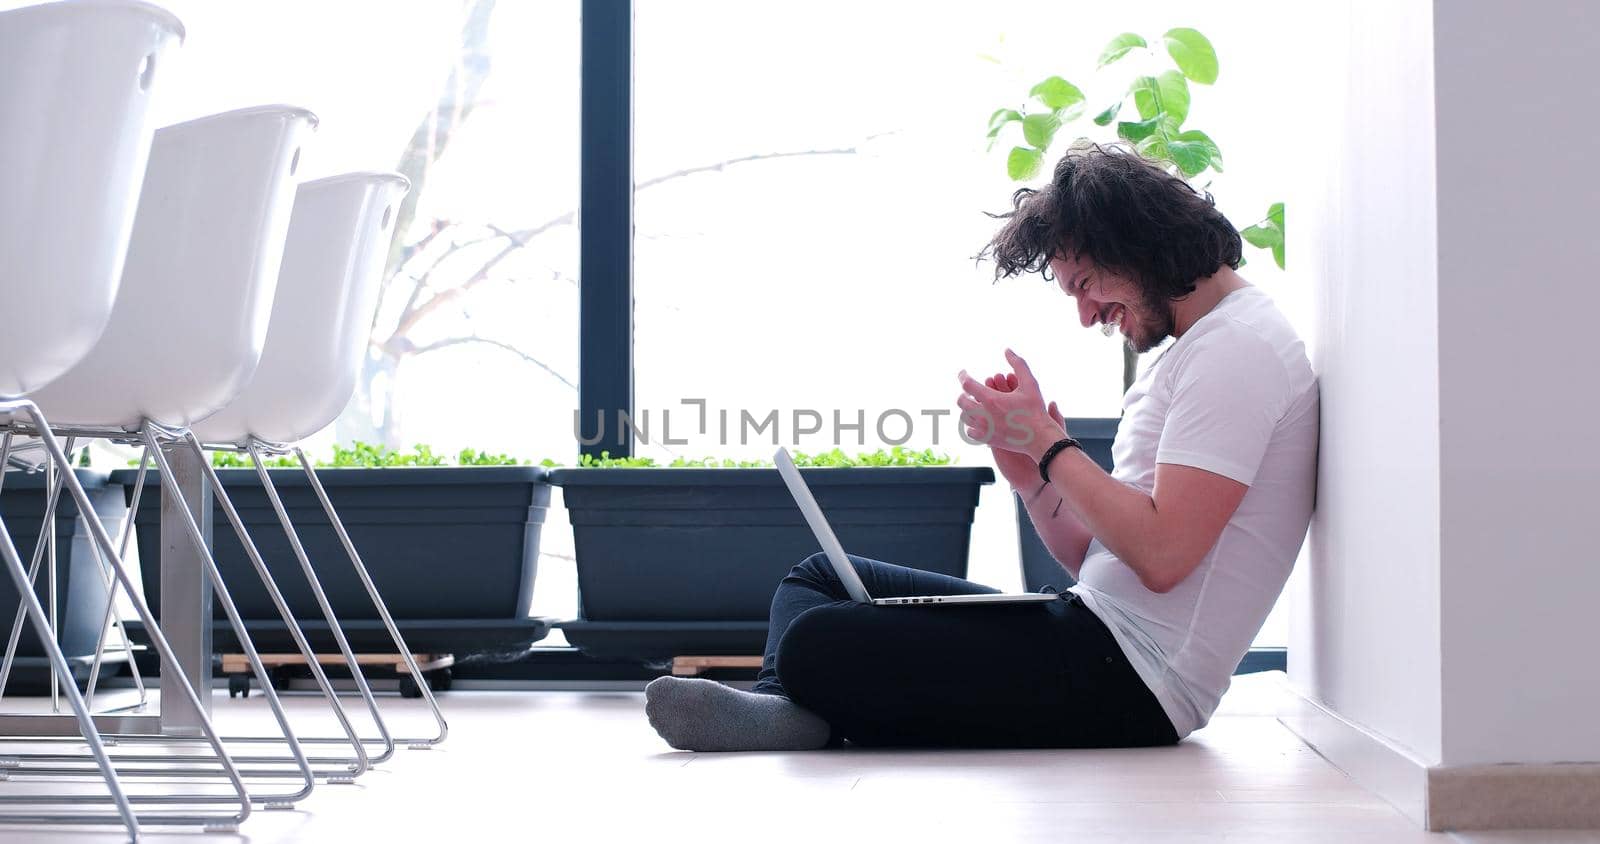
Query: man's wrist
{"x":1042,"y":440}
{"x":1053,"y":456}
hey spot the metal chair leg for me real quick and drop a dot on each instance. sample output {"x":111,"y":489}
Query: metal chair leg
{"x":111,"y":603}
{"x":51,"y":479}
{"x":159,"y":640}
{"x":377,"y":600}
{"x":58,"y":664}
{"x":322,"y":599}
{"x":361,"y":763}
{"x":353,"y":767}
{"x":44,"y":547}
{"x":225,"y":599}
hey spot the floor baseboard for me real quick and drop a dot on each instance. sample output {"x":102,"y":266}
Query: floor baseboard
{"x":1374,"y":763}
{"x":1448,"y":798}
{"x":1514,"y":797}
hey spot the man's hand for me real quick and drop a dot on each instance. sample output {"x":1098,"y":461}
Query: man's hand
{"x":1014,"y":419}
{"x":1019,"y":470}
{"x":1061,"y":532}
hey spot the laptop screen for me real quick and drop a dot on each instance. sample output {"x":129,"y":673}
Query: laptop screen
{"x":820,"y":527}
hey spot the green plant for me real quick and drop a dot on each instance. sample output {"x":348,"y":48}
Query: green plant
{"x":1161,"y":100}
{"x":236,"y":460}
{"x":469,"y":457}
{"x":362,"y":455}
{"x":897,"y":456}
{"x":367,"y":456}
{"x":606,"y":461}
{"x":837,"y":458}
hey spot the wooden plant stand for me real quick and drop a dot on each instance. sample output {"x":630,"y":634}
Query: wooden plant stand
{"x":692,"y":666}
{"x":435,"y":669}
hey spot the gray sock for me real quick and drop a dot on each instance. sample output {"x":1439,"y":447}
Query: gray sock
{"x":705,"y":715}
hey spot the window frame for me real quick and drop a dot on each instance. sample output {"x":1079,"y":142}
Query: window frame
{"x":605,"y":230}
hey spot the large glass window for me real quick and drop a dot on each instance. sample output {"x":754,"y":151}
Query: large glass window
{"x":475,"y":340}
{"x":477,"y":102}
{"x":811,"y":188}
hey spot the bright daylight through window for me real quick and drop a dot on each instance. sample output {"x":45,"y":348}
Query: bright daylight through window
{"x":807,"y":218}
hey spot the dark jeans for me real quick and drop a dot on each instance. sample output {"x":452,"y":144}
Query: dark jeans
{"x":1008,"y":675}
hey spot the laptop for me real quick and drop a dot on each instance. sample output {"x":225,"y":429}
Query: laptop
{"x":847,"y":572}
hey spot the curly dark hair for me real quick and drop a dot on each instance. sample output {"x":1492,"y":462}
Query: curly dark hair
{"x":1109,"y":205}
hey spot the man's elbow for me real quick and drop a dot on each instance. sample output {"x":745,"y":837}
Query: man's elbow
{"x":1159,"y":583}
{"x":1164,"y":575}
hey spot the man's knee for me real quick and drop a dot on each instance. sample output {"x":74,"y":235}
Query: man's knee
{"x":814,"y":569}
{"x":810,"y":650}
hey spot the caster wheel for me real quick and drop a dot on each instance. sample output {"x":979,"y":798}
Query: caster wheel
{"x":238,"y":685}
{"x":440,"y":680}
{"x":409,"y":688}
{"x":281,"y":677}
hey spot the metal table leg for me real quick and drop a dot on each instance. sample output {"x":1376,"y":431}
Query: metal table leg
{"x":185,"y":593}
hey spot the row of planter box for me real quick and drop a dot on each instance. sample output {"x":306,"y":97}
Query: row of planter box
{"x":670,"y":561}
{"x":685,"y":561}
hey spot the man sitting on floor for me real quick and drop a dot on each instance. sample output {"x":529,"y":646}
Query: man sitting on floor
{"x":1179,"y":553}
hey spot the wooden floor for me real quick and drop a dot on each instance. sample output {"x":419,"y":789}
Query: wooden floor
{"x":553,"y":766}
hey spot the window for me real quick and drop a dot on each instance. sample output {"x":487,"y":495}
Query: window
{"x":475,"y":342}
{"x":811,"y":182}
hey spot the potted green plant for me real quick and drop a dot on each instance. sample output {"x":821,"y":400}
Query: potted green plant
{"x":453,"y":549}
{"x":1160,"y":96}
{"x":683,"y":559}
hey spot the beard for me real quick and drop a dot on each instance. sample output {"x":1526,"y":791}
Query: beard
{"x":1155,"y":324}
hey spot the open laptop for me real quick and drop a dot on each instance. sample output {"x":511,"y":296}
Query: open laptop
{"x":847,"y":572}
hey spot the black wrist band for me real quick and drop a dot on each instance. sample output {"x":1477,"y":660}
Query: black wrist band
{"x":1051,"y":452}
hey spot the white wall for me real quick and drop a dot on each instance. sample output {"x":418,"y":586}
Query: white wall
{"x":1365,"y":628}
{"x":1519,"y":288}
{"x":1448,"y":604}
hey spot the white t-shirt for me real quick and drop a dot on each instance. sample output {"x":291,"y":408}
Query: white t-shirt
{"x":1235,"y":395}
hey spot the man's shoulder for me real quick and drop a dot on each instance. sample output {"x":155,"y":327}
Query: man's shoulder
{"x":1225,"y":339}
{"x":1255,"y":337}
{"x":1245,"y":360}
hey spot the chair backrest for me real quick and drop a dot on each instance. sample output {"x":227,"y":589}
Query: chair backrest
{"x":191,"y":315}
{"x":338,"y":242}
{"x":75,"y":82}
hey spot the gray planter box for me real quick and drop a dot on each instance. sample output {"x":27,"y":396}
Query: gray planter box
{"x":452,"y":550}
{"x":674,"y":562}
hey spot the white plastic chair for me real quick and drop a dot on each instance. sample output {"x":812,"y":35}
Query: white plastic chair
{"x":191,"y":315}
{"x":75,"y":82}
{"x":185,"y":334}
{"x":209,"y":229}
{"x":338,"y":240}
{"x":337,"y":245}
